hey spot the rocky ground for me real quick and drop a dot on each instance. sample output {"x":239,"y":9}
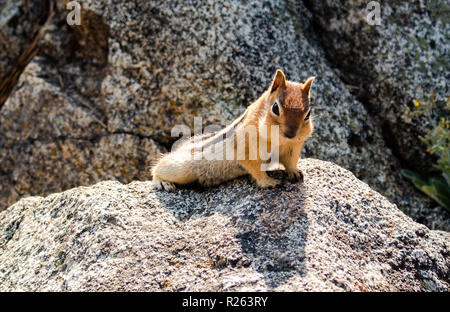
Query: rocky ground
{"x":98,"y":101}
{"x":331,"y":233}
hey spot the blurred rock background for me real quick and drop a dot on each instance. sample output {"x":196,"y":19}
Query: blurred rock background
{"x":82,"y":104}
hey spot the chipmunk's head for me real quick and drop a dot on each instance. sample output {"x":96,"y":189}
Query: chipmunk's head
{"x":289,"y":106}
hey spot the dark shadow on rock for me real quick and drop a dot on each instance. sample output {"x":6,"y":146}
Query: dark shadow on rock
{"x":272,"y":226}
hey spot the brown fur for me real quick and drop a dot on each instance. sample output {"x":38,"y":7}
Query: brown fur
{"x":294,"y":105}
{"x":293,"y":99}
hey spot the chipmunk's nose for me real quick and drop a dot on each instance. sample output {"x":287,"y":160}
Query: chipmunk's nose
{"x":291,"y":124}
{"x":290,"y":133}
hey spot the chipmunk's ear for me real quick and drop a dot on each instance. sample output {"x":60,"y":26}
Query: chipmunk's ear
{"x":279,"y":81}
{"x":307,"y":85}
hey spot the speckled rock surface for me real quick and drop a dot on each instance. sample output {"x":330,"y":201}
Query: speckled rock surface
{"x":331,"y":233}
{"x":104,"y":96}
{"x":391,"y":65}
{"x":51,"y":142}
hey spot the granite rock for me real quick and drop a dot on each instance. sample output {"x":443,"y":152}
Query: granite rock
{"x":391,"y":65}
{"x":330,"y":233}
{"x":100,"y":99}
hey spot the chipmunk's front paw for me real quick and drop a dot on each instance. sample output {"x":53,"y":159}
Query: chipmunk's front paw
{"x":268,"y":183}
{"x":295,"y":176}
{"x":162,"y":185}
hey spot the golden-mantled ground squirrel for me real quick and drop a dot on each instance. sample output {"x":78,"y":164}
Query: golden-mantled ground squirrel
{"x":275,"y":126}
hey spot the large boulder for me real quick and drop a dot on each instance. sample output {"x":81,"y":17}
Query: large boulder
{"x":330,"y":233}
{"x":391,"y":65}
{"x":100,"y":99}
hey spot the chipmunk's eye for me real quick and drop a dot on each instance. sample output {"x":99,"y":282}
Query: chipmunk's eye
{"x":276,"y":109}
{"x":307,"y":115}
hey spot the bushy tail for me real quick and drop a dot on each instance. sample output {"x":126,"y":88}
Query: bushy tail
{"x":154,"y":163}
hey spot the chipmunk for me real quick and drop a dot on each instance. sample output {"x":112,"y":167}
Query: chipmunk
{"x":284,"y":106}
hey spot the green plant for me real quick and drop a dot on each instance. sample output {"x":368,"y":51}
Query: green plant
{"x":437,"y":140}
{"x":437,"y":188}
